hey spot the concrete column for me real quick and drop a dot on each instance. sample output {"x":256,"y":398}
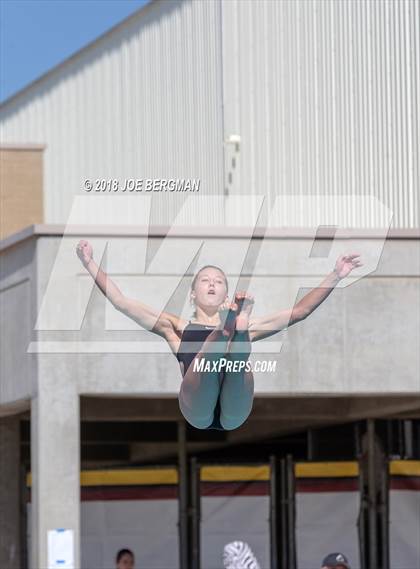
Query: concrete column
{"x":9,"y":493}
{"x":55,"y":458}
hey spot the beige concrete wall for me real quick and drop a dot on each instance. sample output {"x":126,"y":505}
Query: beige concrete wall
{"x":18,"y":307}
{"x":21,"y":183}
{"x":362,"y":341}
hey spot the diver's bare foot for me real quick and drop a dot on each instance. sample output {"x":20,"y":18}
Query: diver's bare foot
{"x":245,"y":303}
{"x":228,"y":312}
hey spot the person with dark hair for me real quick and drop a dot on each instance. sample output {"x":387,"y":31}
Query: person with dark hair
{"x":213,"y":347}
{"x":125,"y":559}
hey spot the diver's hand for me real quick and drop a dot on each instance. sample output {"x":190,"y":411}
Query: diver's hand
{"x":84,"y":252}
{"x":346,"y":263}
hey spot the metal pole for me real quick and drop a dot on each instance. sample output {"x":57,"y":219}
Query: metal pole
{"x":274,"y":552}
{"x":385,"y":515}
{"x":389,"y":438}
{"x":372,"y":492}
{"x":283,"y":501}
{"x":195,"y":513}
{"x":291,"y":513}
{"x":310,"y":444}
{"x":361,"y":522}
{"x":357,"y":440}
{"x":23,"y":499}
{"x":400,"y":438}
{"x":182,"y":495}
{"x":408,"y":439}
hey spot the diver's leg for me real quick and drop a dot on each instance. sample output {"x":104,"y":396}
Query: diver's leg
{"x":200,"y":389}
{"x":237,"y":392}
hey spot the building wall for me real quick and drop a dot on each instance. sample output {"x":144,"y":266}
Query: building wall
{"x":142,"y":102}
{"x":323,"y":95}
{"x":21,"y":188}
{"x":18,"y":307}
{"x":325,"y":98}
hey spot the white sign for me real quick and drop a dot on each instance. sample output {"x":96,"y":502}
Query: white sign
{"x":60,"y":549}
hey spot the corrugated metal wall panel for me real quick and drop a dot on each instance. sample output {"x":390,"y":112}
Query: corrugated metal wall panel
{"x":324,"y":95}
{"x":144,"y":103}
{"x":328,"y":104}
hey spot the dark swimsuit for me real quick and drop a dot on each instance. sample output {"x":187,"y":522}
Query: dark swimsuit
{"x":193,"y":337}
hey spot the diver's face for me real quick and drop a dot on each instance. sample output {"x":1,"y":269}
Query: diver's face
{"x":126,"y":562}
{"x":210,"y":288}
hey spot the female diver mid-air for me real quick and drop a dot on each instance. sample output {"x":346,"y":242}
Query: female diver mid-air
{"x":211,"y":397}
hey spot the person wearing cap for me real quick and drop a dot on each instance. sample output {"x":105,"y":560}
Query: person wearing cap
{"x":335,"y":561}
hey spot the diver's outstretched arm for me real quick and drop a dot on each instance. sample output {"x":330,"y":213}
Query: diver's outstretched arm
{"x":161,"y":323}
{"x":266,"y":326}
{"x":110,"y":290}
